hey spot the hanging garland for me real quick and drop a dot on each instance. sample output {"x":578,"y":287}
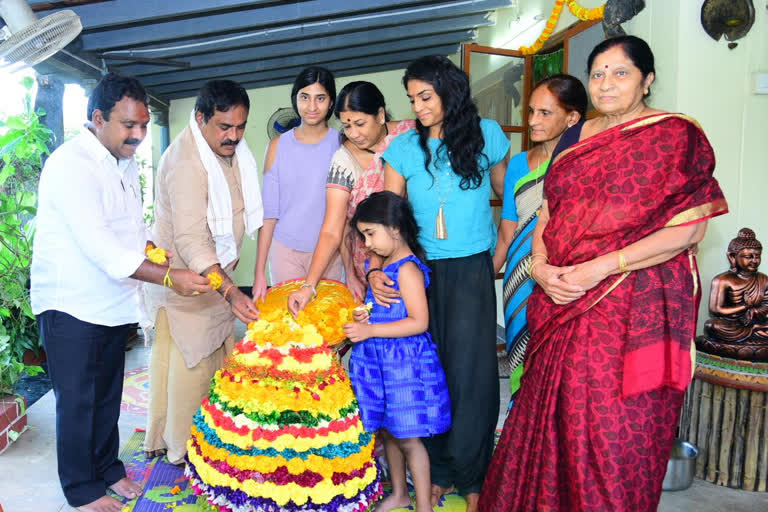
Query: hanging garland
{"x":577,"y":10}
{"x":584,"y":13}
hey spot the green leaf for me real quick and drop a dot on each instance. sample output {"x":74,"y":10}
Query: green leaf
{"x":28,"y":82}
{"x":15,"y":123}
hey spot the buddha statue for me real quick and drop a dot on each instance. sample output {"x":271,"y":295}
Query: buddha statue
{"x":738,"y":305}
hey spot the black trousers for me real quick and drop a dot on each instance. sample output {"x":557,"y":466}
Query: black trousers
{"x":462,"y":322}
{"x":86,"y":363}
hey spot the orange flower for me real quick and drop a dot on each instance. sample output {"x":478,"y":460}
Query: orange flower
{"x":328,"y":312}
{"x":577,"y":10}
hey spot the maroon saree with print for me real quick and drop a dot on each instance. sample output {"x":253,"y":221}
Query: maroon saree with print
{"x":605,"y":375}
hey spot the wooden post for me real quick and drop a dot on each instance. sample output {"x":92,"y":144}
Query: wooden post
{"x":693,"y":422}
{"x":713,"y":450}
{"x":729,"y":419}
{"x":762,"y":470}
{"x":705,"y":407}
{"x":738,"y":439}
{"x":754,"y":427}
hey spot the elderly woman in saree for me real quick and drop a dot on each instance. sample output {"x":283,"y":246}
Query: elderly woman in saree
{"x":557,"y":103}
{"x":628,"y":195}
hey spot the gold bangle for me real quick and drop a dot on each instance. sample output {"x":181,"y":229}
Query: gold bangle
{"x":540,"y":254}
{"x":622,"y":262}
{"x":167,"y":279}
{"x":530,"y":269}
{"x":226,"y":290}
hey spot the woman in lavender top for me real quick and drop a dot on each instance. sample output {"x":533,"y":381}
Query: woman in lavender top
{"x":293,"y":192}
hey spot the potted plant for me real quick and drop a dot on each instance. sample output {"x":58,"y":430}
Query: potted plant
{"x":13,"y":407}
{"x":23,"y":141}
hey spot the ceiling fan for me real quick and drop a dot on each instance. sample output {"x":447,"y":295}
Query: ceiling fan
{"x":26,"y":40}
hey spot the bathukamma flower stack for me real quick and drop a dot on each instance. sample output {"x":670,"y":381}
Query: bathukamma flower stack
{"x":280,"y":430}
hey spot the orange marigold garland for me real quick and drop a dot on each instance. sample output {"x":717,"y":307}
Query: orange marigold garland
{"x":585,"y":13}
{"x":576,"y":9}
{"x":280,"y":430}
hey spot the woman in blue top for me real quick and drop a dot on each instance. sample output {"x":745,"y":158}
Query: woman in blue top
{"x":446,"y":166}
{"x":557,"y":103}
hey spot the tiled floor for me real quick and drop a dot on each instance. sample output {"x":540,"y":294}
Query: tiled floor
{"x":28,"y":480}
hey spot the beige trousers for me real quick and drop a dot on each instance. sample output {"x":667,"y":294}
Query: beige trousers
{"x":175,"y":391}
{"x":286,"y":263}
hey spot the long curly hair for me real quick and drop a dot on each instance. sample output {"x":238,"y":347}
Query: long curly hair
{"x":462,"y":137}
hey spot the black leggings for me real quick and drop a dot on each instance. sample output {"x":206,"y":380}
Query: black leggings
{"x":462,"y":322}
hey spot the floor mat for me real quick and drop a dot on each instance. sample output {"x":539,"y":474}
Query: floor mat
{"x":166,"y":488}
{"x":164,"y":484}
{"x":135,"y":391}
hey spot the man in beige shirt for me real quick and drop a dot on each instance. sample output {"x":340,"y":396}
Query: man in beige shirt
{"x":205,"y":203}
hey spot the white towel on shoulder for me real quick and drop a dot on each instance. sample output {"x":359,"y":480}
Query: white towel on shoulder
{"x":219,"y":212}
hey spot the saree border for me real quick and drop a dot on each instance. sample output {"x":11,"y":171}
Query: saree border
{"x":609,"y":290}
{"x":655,"y":118}
{"x":643,"y":121}
{"x":699,"y":213}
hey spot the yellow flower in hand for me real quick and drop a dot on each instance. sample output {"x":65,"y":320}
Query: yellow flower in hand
{"x":156,"y":254}
{"x":215,"y":279}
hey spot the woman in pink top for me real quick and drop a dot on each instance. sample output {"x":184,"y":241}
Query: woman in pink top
{"x":356,"y":172}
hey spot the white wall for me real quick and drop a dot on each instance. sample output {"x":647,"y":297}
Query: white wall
{"x":264,"y":102}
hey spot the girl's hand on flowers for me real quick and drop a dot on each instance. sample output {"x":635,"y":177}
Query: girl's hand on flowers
{"x":356,"y":331}
{"x":361,"y":315}
{"x":259,"y":287}
{"x":299,"y":299}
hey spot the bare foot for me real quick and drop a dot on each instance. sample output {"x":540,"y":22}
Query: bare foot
{"x":392,"y":502}
{"x":126,"y":488}
{"x":438,"y":492}
{"x":472,"y":500}
{"x":103,"y":504}
{"x":151,"y":454}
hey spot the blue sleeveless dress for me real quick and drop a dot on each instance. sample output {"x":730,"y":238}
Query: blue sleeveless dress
{"x":399,"y":382}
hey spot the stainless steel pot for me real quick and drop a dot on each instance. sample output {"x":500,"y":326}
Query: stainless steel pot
{"x":681,"y":466}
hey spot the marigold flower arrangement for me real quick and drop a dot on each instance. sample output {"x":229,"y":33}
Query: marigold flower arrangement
{"x":155,"y":254}
{"x":328,"y":312}
{"x":280,"y":430}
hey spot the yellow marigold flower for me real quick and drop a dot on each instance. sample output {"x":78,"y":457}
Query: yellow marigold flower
{"x":215,"y":279}
{"x":156,"y":255}
{"x":176,"y":490}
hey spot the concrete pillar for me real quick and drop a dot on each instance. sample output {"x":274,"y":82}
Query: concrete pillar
{"x":50,"y":96}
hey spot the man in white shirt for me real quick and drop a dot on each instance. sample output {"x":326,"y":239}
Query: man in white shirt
{"x":88,"y":259}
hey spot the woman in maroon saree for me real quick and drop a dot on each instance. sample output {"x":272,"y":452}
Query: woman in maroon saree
{"x":614,"y":316}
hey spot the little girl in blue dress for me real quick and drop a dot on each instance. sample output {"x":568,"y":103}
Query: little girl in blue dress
{"x":395,"y":372}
